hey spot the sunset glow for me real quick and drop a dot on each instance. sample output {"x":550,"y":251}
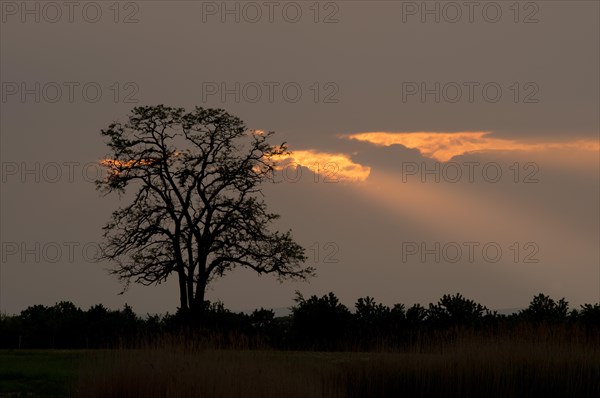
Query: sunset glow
{"x":336,"y":166}
{"x":116,"y":166}
{"x":444,"y":146}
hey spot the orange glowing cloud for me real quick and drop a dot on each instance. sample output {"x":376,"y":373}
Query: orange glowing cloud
{"x":334,"y":166}
{"x":116,"y":167}
{"x":119,"y":164}
{"x":444,"y":146}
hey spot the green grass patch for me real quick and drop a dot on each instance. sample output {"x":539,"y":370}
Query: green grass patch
{"x":38,"y":373}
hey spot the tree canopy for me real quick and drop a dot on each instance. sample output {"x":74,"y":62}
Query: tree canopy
{"x":197,"y":208}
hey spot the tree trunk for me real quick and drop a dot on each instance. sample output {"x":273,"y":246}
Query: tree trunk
{"x":197,"y":297}
{"x":183,"y":296}
{"x":190,"y":290}
{"x":198,"y":303}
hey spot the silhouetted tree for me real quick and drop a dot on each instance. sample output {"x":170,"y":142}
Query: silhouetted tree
{"x":196,"y":209}
{"x":262,"y":320}
{"x":369,"y":312}
{"x":397,"y":317}
{"x":544,"y":309}
{"x":376,"y":323}
{"x":319,"y":322}
{"x":589,"y":314}
{"x":372,"y":318}
{"x":416,"y":314}
{"x":98,"y":327}
{"x":455,"y":310}
{"x":219,"y":318}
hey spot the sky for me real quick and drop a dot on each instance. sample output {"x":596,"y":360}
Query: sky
{"x":438,"y":147}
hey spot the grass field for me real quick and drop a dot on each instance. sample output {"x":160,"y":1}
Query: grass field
{"x":38,"y":373}
{"x":503,"y":369}
{"x":467,"y":367}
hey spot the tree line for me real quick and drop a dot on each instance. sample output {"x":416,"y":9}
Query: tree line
{"x":321,"y":323}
